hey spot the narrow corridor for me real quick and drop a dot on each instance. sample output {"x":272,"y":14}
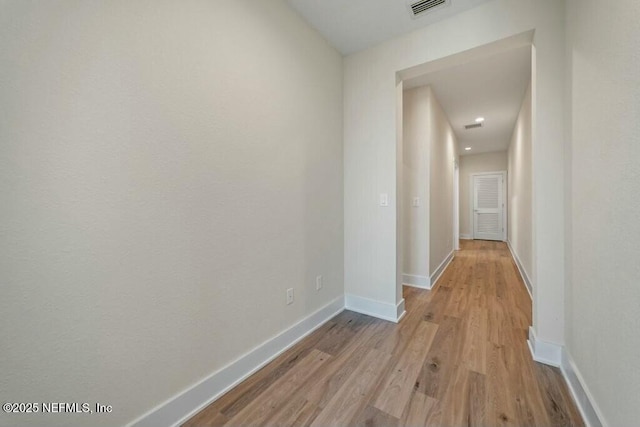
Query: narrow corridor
{"x":459,"y":357}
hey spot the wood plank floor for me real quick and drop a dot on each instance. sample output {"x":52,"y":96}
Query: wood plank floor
{"x":458,"y":358}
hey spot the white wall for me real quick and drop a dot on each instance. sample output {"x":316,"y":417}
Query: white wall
{"x":603,"y":295}
{"x":429,"y":151}
{"x":415,"y":154}
{"x":167,"y":170}
{"x":470,"y":164}
{"x":443,"y":153}
{"x":520,"y":226}
{"x":371,"y":146}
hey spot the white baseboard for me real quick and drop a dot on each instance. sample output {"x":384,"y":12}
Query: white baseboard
{"x":422,"y":282}
{"x":466,"y":237}
{"x":523,"y":272}
{"x":379,"y":309}
{"x":400,"y":311}
{"x":441,"y":268}
{"x":590,"y":412}
{"x":544,"y":352}
{"x":187,"y":403}
{"x":558,"y":356}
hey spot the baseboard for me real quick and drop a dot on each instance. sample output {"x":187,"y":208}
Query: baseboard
{"x":441,"y":268}
{"x":400,"y":311}
{"x":379,"y":309}
{"x":590,"y":412}
{"x":523,"y":272}
{"x":187,"y":403}
{"x":422,"y":282}
{"x":466,"y":237}
{"x":544,"y":352}
{"x":558,"y":356}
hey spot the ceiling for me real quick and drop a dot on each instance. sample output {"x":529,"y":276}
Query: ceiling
{"x":353,"y":25}
{"x":490,"y":82}
{"x":492,"y":87}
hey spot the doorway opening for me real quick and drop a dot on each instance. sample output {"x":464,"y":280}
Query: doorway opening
{"x":458,"y":118}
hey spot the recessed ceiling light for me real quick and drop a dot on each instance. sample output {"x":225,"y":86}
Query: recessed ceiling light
{"x":467,"y":148}
{"x":480,"y":120}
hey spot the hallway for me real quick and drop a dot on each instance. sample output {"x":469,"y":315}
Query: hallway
{"x":459,"y":357}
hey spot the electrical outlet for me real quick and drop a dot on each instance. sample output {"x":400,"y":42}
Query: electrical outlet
{"x":318,"y":282}
{"x":289,"y":296}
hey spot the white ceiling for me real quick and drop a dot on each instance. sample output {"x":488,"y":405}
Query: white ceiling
{"x":353,"y":25}
{"x":473,"y":84}
{"x":492,"y":87}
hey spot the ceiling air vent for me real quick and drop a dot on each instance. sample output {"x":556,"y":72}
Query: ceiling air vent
{"x":418,"y":8}
{"x":473,"y":126}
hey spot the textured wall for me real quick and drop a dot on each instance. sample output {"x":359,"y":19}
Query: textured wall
{"x":429,"y":150}
{"x":443,"y":152}
{"x":603,"y":293}
{"x":520,"y":225}
{"x":167,"y":170}
{"x":415,"y":153}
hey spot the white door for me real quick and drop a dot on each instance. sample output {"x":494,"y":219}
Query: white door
{"x":488,"y":207}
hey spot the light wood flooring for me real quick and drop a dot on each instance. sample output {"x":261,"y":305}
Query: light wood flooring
{"x":458,"y":358}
